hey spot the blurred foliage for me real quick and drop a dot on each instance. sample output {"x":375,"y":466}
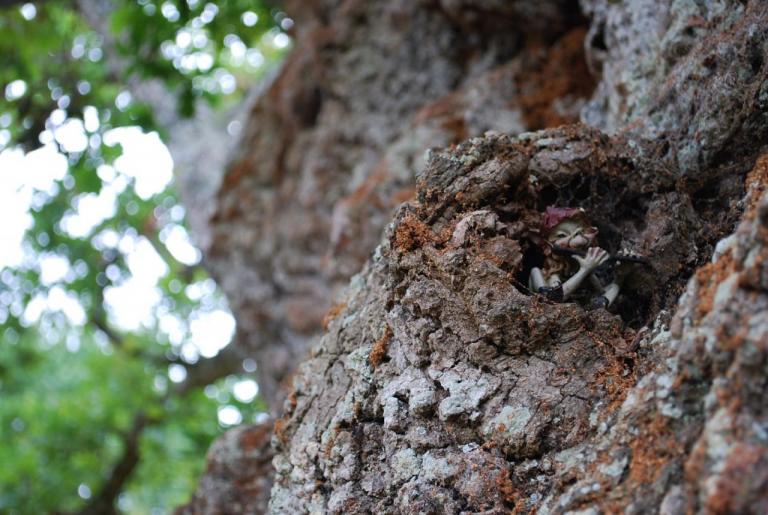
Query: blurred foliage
{"x":73,"y":381}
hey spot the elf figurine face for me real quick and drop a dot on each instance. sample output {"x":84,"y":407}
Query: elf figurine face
{"x":569,"y":229}
{"x":572,"y":234}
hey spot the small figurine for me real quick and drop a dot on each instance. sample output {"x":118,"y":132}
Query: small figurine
{"x":569,"y":234}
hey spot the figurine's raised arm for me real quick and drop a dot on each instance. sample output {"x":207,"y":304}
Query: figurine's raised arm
{"x":587,"y":264}
{"x":569,"y":229}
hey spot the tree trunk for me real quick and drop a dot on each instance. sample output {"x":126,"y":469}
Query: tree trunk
{"x":334,"y":144}
{"x":441,"y":383}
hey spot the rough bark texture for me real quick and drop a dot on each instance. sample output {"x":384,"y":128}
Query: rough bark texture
{"x":441,"y":384}
{"x":334,"y":143}
{"x":453,"y":390}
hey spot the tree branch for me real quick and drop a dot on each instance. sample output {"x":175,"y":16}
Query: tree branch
{"x":206,"y":371}
{"x":186,"y":271}
{"x":103,"y":503}
{"x":98,"y":319}
{"x":228,"y":361}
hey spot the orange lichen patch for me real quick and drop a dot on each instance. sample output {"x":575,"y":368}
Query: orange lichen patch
{"x":611,"y":507}
{"x":280,"y":430}
{"x":694,"y":464}
{"x":564,"y":72}
{"x":366,"y":191}
{"x":354,"y":207}
{"x":445,"y":106}
{"x":654,"y":447}
{"x":412,"y":233}
{"x":615,"y":378}
{"x":591,"y":499}
{"x":380,"y":347}
{"x":493,"y":258}
{"x":509,"y":494}
{"x":447,"y":114}
{"x":728,"y":495}
{"x":351,"y":506}
{"x":751,"y":277}
{"x":286,"y":383}
{"x":292,"y":401}
{"x":402,"y":195}
{"x":328,"y":449}
{"x":616,"y":381}
{"x":234,"y":175}
{"x":255,"y":438}
{"x":709,"y":278}
{"x":456,"y":126}
{"x":303,"y":315}
{"x":427,"y":196}
{"x":236,"y":172}
{"x":733,"y":341}
{"x":444,"y":235}
{"x":335,"y":311}
{"x":756,"y":185}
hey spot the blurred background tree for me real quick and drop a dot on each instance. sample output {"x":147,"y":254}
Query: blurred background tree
{"x":115,"y":368}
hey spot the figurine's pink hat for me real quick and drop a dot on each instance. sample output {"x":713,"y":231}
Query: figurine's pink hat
{"x":555,"y":215}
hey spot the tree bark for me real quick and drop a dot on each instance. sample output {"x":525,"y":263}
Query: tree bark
{"x":334,"y":144}
{"x":441,"y":383}
{"x":239,"y":473}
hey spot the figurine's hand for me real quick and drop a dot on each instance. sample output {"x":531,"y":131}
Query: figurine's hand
{"x":594,"y":258}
